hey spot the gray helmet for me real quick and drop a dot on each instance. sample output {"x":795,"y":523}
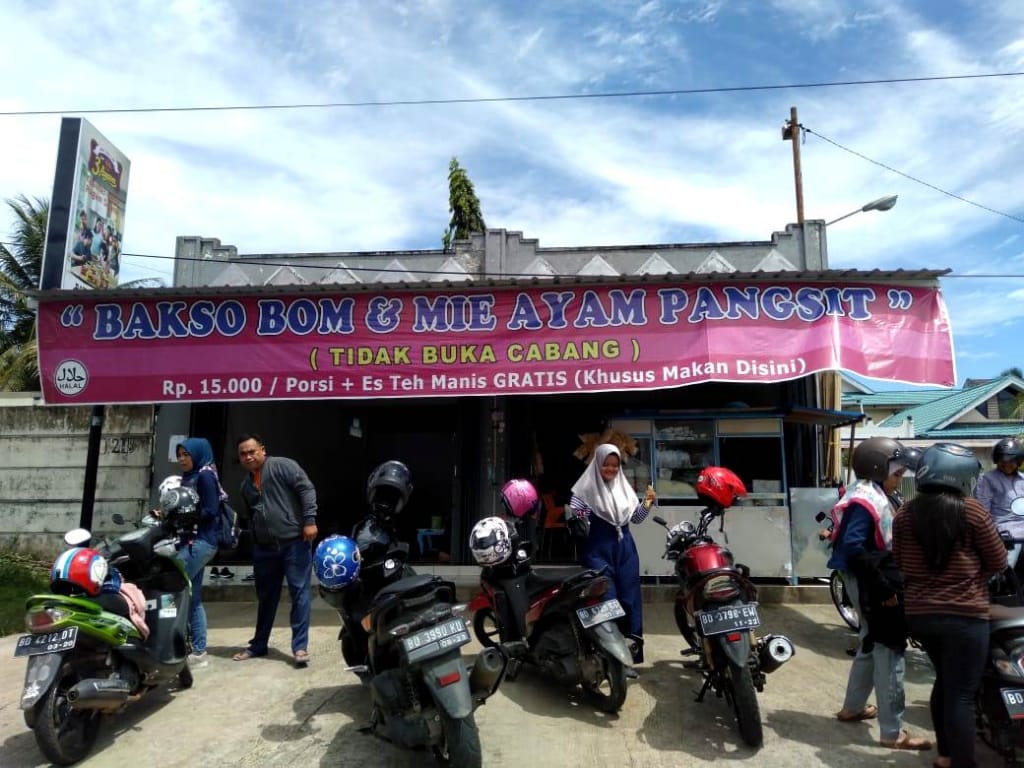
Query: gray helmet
{"x":871,"y":458}
{"x":1007,"y":448}
{"x":948,"y":466}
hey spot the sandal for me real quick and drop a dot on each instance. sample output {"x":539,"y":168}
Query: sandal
{"x":301,"y":658}
{"x":868,"y":713}
{"x":906,"y":741}
{"x":244,"y":655}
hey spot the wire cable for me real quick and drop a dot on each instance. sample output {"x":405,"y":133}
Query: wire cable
{"x":505,"y":99}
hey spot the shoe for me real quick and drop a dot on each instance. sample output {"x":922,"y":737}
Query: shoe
{"x":245,"y":654}
{"x":198,"y":660}
{"x":869,"y":712}
{"x":249,"y":577}
{"x":301,"y":659}
{"x":215,"y":573}
{"x":226,"y":574}
{"x":906,"y":741}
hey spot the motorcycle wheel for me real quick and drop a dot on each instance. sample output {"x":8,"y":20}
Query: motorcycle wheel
{"x":461,"y":743}
{"x":744,"y":703}
{"x":486,"y":629}
{"x":841,"y":600}
{"x":63,"y":734}
{"x":684,"y":629}
{"x":609,"y":693}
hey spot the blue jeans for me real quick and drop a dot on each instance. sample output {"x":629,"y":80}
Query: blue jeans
{"x":958,"y":648}
{"x":293,"y":563}
{"x":882,"y":669}
{"x":196,"y":556}
{"x":603,"y":548}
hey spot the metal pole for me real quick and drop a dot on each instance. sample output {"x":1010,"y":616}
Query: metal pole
{"x":92,"y":461}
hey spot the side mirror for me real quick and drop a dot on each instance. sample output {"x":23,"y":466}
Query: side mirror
{"x":77,"y":537}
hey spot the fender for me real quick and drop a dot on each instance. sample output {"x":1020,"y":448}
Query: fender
{"x":455,"y":698}
{"x":609,"y":639}
{"x":39,"y":676}
{"x":737,"y":651}
{"x":482,"y":600}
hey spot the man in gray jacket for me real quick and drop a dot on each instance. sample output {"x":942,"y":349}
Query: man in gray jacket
{"x":280,"y":502}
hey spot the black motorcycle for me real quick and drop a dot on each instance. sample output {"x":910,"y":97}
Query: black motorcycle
{"x":402,"y":634}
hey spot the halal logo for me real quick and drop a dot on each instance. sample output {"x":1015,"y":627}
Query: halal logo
{"x":70,"y":378}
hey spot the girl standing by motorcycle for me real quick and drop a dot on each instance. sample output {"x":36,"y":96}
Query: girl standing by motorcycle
{"x":860,"y":552}
{"x":947,"y":546}
{"x":602,"y":506}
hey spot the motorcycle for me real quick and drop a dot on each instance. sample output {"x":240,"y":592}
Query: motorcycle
{"x":567,"y":623}
{"x":401,"y":634}
{"x":86,"y":658}
{"x":716,"y":612}
{"x":836,"y":587}
{"x":999,"y":703}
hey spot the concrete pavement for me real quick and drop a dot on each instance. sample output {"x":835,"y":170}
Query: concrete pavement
{"x":264,"y":712}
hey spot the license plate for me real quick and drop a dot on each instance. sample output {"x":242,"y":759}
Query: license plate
{"x":436,"y":639}
{"x":51,"y":642}
{"x":1013,"y":699}
{"x":729,"y":619}
{"x":600,"y":613}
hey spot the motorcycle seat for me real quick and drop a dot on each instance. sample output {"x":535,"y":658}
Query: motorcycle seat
{"x":1004,"y":616}
{"x":545,"y":578}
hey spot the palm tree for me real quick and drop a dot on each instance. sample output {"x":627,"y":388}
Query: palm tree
{"x":20,"y":265}
{"x":21,"y":262}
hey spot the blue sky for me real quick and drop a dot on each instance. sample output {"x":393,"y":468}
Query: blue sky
{"x":600,"y":171}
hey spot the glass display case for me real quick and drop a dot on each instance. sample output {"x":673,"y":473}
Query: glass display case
{"x":637,"y":468}
{"x":681,"y":450}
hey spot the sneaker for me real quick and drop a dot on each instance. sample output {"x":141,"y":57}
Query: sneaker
{"x":249,"y":577}
{"x":215,"y":573}
{"x":198,"y":660}
{"x":226,"y":574}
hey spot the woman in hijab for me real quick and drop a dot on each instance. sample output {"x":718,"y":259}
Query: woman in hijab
{"x":198,"y":548}
{"x":602,"y":506}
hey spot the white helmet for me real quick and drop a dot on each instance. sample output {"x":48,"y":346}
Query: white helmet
{"x":172,"y":481}
{"x":490,"y":542}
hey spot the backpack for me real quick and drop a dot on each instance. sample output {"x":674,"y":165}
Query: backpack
{"x":228,"y":532}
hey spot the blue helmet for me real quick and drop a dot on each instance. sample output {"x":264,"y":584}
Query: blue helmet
{"x":336,"y":562}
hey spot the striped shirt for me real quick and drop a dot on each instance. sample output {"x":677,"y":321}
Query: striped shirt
{"x":961,"y":588}
{"x":580,"y":509}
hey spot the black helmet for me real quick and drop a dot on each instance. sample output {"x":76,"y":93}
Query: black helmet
{"x":1007,"y":448}
{"x":911,"y":458}
{"x":372,"y":539}
{"x":388,"y":488}
{"x":948,"y":466}
{"x":180,"y":506}
{"x":871,"y":458}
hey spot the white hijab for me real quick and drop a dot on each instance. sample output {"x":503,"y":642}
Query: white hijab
{"x":613,"y":502}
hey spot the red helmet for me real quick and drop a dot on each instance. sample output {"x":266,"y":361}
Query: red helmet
{"x":78,"y":570}
{"x":720,"y":486}
{"x":520,"y":498}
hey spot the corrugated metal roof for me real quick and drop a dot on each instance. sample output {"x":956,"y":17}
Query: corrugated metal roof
{"x":939,"y":412}
{"x":897,"y":276}
{"x":980,"y":430}
{"x":896,"y":398}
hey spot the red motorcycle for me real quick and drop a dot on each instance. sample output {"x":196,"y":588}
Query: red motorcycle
{"x":716,"y":609}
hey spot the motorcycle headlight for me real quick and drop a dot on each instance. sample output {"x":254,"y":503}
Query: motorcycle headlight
{"x":722,"y":587}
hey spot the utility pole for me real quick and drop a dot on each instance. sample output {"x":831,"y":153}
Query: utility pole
{"x":791,"y":131}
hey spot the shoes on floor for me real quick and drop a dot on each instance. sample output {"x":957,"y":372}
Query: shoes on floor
{"x":215,"y":573}
{"x":198,"y":660}
{"x":249,"y":577}
{"x":227,"y":573}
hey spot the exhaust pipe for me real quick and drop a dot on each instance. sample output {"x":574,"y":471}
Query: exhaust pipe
{"x":99,"y":693}
{"x":773,"y":651}
{"x":486,"y":673}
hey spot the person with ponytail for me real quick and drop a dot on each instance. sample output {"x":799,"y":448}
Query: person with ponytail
{"x":947,"y":548}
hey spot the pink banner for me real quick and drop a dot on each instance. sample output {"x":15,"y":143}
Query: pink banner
{"x":504,"y":341}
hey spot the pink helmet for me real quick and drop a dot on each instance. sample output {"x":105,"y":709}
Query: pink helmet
{"x":520,"y":498}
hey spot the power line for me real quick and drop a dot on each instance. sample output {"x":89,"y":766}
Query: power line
{"x":912,"y":178}
{"x":500,"y":99}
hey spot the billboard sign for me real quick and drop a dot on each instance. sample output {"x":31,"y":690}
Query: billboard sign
{"x":540,"y":340}
{"x":85,"y":231}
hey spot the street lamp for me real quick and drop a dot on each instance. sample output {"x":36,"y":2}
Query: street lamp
{"x":881,"y":204}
